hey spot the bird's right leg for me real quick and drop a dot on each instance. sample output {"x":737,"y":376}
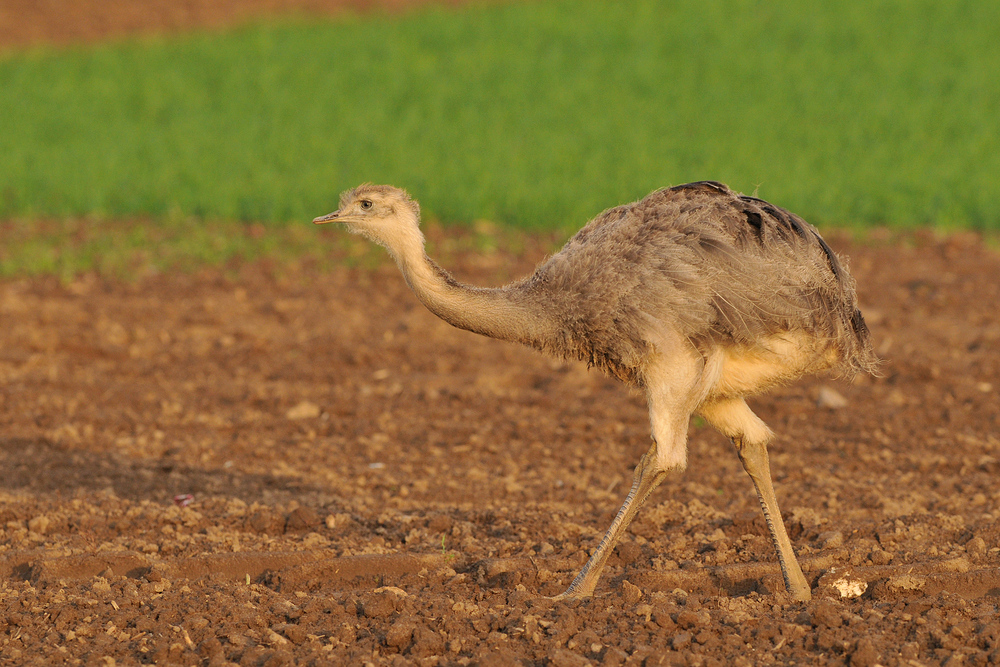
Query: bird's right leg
{"x":672,"y":382}
{"x":646,"y":477}
{"x":734,"y":418}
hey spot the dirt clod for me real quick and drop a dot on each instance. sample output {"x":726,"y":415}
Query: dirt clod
{"x":302,"y":518}
{"x":865,"y":655}
{"x":400,"y":633}
{"x":379,"y":604}
{"x":561,"y":657}
{"x":631,"y":593}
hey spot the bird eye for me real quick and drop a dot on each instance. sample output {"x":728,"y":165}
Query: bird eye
{"x":366,"y":204}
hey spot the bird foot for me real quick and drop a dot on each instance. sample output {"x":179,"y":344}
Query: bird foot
{"x":801,"y":595}
{"x":563,"y":597}
{"x":570,"y":593}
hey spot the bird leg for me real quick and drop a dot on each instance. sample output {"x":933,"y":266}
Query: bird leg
{"x":645,"y":478}
{"x":753,"y":455}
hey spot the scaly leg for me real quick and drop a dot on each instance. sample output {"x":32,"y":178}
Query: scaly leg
{"x":755,"y":462}
{"x":736,"y":420}
{"x":645,"y":478}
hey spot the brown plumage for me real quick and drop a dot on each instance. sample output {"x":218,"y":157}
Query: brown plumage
{"x":696,"y":294}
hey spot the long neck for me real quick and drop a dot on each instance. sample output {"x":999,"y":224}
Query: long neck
{"x":508,"y":313}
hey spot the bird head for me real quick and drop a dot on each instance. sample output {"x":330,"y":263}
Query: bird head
{"x":384,"y":214}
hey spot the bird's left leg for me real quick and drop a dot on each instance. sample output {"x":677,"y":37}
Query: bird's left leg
{"x":646,"y":477}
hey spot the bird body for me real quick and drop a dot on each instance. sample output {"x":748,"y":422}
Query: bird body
{"x":696,"y":294}
{"x":717,"y":268}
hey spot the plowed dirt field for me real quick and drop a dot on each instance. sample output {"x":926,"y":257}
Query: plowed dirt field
{"x":270,"y":466}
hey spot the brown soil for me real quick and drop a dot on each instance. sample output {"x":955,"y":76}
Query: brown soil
{"x":371,"y":485}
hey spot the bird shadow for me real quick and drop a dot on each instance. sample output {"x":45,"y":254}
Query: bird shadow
{"x":40,"y":466}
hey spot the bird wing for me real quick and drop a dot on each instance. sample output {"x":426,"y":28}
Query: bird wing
{"x":705,"y":262}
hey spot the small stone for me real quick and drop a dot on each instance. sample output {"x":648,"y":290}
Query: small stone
{"x":382,"y":602}
{"x":960,"y":565}
{"x":614,"y":656}
{"x":662,"y":618}
{"x":631,"y":593}
{"x":561,"y":657}
{"x":688,"y":619}
{"x":212,"y":649}
{"x":907,"y":582}
{"x":394,"y":590}
{"x":897,"y":398}
{"x":850,"y":588}
{"x":955,"y":660}
{"x":844,"y":584}
{"x":426,"y":643}
{"x":197,"y":623}
{"x":265,"y":521}
{"x":865,"y":654}
{"x":628,"y":552}
{"x":880,"y":557}
{"x":976,"y":547}
{"x":274,"y":639}
{"x":292,"y":632}
{"x":665,"y":659}
{"x":680,"y":641}
{"x":399,"y":633}
{"x":301,"y":518}
{"x":100,"y":586}
{"x":831,"y":539}
{"x":825,"y":615}
{"x":830,"y":399}
{"x":39,"y":524}
{"x":304,"y":410}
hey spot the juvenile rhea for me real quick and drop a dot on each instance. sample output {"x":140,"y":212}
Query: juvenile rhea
{"x":696,"y":294}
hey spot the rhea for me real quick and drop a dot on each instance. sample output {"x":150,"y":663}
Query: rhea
{"x":695,"y":294}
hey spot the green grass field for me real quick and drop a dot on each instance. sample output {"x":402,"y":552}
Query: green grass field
{"x":534,"y":114}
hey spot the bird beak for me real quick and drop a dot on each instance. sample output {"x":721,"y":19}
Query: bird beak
{"x":329,"y":217}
